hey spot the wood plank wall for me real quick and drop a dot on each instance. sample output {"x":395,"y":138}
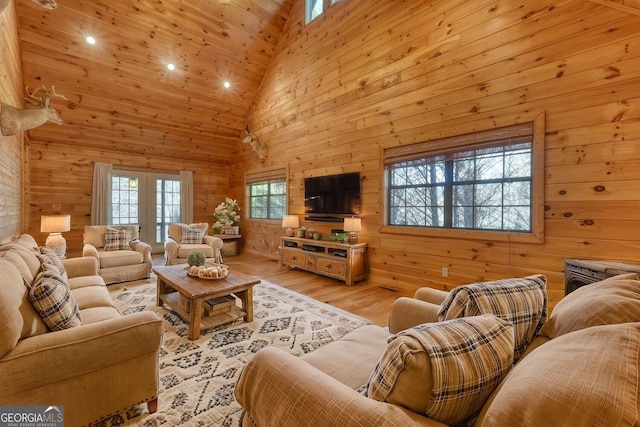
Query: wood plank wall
{"x":12,"y":158}
{"x":63,"y":175}
{"x":381,"y":73}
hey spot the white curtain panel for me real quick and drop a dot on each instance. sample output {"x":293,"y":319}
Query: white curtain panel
{"x":186,"y":196}
{"x":100,"y":194}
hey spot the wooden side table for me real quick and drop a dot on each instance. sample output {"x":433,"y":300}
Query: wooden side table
{"x":229,"y":244}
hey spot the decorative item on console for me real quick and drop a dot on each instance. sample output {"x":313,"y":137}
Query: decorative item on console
{"x":14,"y":120}
{"x":289,"y":222}
{"x":351,"y":226}
{"x":226,"y":214}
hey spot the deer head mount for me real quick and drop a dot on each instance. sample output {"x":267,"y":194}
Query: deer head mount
{"x":259,"y":147}
{"x":14,"y":120}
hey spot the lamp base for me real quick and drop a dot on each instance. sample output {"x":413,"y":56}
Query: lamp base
{"x":288,"y":232}
{"x":352,"y":239}
{"x":56,"y":243}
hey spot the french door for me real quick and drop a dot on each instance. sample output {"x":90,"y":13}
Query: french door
{"x":151,"y":200}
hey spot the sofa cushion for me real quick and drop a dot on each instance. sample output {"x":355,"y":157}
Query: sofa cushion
{"x":92,"y":296}
{"x":94,"y":234}
{"x":175,"y":229}
{"x":521,"y":301}
{"x":116,"y":240}
{"x":53,"y":301}
{"x":19,"y":263}
{"x":191,"y":236}
{"x":613,"y":300}
{"x":364,"y":344}
{"x":583,"y":378}
{"x":185,"y":250}
{"x":445,"y":370}
{"x":17,"y":317}
{"x":29,"y":256}
{"x":119,"y":258}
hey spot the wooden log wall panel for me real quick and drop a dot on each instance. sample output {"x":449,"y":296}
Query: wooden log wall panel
{"x":12,"y":160}
{"x":63,"y":174}
{"x":364,"y":77}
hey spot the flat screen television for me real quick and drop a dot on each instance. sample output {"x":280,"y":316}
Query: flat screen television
{"x":327,"y":196}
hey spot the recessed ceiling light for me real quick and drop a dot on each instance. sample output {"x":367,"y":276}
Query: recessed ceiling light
{"x":171,"y":67}
{"x":227,"y":84}
{"x":91,"y":40}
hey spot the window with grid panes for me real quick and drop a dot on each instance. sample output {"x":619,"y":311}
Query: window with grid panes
{"x":485,"y":181}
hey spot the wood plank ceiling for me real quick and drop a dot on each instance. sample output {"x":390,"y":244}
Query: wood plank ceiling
{"x":121,"y":95}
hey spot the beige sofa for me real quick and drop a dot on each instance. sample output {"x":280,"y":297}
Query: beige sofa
{"x":104,"y":364}
{"x":581,"y":369}
{"x":176,"y":249}
{"x":131,"y":262}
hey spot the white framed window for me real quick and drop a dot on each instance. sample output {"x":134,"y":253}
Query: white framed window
{"x":488,"y":181}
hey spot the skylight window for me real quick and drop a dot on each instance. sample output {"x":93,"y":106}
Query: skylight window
{"x":315,"y":8}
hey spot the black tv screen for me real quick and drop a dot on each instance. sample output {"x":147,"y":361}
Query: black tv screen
{"x":332,"y":195}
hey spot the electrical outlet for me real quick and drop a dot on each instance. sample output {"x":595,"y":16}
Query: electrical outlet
{"x":445,"y":272}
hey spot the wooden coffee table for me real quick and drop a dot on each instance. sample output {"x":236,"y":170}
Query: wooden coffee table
{"x":186,"y":295}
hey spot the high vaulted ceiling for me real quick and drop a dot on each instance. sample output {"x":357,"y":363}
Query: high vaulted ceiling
{"x":121,"y":95}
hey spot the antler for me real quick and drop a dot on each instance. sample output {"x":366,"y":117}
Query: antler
{"x":43,"y":100}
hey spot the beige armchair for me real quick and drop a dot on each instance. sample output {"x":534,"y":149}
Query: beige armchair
{"x":120,"y":258}
{"x":186,"y":238}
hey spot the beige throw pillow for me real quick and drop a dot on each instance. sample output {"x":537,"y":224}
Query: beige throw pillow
{"x":613,"y":300}
{"x":445,"y":370}
{"x":583,"y":378}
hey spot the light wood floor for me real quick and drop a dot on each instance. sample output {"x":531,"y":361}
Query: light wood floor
{"x":364,"y":298}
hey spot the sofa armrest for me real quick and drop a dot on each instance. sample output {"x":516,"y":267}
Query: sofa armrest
{"x":57,"y":356}
{"x":434,"y":296}
{"x":79,"y":267}
{"x":279,"y":389}
{"x":171,"y":246}
{"x":214,"y":242}
{"x":89,"y":250}
{"x":409,"y":312}
{"x":143,"y":248}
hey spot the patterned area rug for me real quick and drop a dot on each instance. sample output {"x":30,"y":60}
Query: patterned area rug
{"x":197,"y":378}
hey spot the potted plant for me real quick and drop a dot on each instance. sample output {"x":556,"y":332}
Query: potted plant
{"x":226,"y":214}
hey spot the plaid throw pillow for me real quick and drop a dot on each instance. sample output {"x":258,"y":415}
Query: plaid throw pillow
{"x":116,"y":240}
{"x":445,"y":370}
{"x":192,"y":236}
{"x":521,"y":301}
{"x":49,"y":256}
{"x":53,"y":301}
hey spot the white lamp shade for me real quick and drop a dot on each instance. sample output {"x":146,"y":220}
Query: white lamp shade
{"x":55,"y":223}
{"x":290,"y":221}
{"x":352,"y":224}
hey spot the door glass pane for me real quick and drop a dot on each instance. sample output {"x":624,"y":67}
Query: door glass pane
{"x":167,"y":206}
{"x":124,"y":200}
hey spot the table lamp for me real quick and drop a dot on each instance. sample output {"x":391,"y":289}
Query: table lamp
{"x":55,"y":225}
{"x":351,"y":226}
{"x":290,"y":222}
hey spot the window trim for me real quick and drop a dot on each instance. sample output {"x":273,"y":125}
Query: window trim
{"x":393,"y":154}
